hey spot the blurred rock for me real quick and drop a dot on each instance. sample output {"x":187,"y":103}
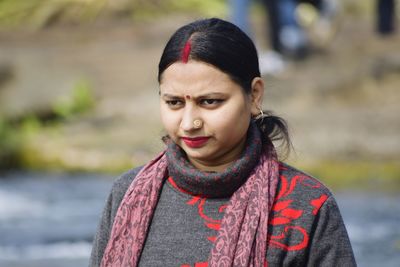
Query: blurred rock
{"x":6,"y":73}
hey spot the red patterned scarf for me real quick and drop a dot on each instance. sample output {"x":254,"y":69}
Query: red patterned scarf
{"x":242,"y":238}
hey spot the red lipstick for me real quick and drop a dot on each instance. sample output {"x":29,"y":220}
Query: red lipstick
{"x":195,"y":142}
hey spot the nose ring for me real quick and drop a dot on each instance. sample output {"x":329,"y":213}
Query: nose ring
{"x":197,"y":124}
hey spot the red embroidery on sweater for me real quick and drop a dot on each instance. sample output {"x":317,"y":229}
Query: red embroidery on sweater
{"x":282,"y":190}
{"x":200,"y":210}
{"x":211,"y":223}
{"x":317,"y":203}
{"x":197,"y":264}
{"x":212,"y":238}
{"x":172,"y":182}
{"x":286,"y":188}
{"x":279,"y":221}
{"x":310,"y":182}
{"x":281,"y":205}
{"x":222,"y":208}
{"x":273,"y":240}
{"x":193,"y":201}
{"x":282,"y":167}
{"x":284,"y":215}
{"x":293,"y":184}
{"x":214,"y":226}
{"x":292,"y":213}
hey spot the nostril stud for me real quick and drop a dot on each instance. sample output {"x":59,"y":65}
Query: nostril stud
{"x":197,"y":124}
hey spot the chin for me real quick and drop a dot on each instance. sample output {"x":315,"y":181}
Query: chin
{"x":196,"y":153}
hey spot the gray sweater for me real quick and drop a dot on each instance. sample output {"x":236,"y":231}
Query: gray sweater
{"x":305,"y":229}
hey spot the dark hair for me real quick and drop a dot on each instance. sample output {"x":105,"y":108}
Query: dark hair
{"x":225,"y":46}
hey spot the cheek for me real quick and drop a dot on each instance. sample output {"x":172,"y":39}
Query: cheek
{"x":169,"y":120}
{"x":231,"y":120}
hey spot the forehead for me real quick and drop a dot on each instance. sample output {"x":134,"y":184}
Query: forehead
{"x":196,"y":77}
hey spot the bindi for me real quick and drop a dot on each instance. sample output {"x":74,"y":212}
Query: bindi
{"x":187,"y":97}
{"x":186,"y":51}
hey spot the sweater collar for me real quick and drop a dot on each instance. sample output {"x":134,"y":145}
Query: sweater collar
{"x":214,"y":184}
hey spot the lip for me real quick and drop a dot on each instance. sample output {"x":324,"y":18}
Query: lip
{"x":195,"y":142}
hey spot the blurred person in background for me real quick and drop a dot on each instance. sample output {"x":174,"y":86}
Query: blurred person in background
{"x":218,"y":195}
{"x":287,"y":37}
{"x":385,"y":16}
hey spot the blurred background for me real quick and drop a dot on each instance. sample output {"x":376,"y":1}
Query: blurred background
{"x":79,"y":106}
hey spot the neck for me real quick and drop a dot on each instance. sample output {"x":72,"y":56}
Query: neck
{"x":207,"y":168}
{"x":216,"y":180}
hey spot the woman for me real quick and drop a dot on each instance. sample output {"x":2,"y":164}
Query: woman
{"x":218,"y":196}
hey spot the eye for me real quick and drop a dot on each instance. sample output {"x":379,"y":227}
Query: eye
{"x":210,"y":102}
{"x":174,"y":103}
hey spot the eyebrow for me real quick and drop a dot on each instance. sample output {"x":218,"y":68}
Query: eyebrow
{"x":209,"y":95}
{"x":171,"y":96}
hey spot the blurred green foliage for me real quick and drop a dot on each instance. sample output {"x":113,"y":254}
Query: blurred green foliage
{"x":41,"y":13}
{"x":13,"y":139}
{"x":80,"y":101}
{"x":358,"y":174}
{"x":359,"y":9}
{"x":15,"y":135}
{"x":10,"y":142}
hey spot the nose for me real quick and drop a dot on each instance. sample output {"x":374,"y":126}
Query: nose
{"x":188,"y":116}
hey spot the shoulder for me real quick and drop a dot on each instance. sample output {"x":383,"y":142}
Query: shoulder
{"x":299,"y":184}
{"x":305,"y":221}
{"x":299,"y":196}
{"x":298,"y":201}
{"x":122,"y":183}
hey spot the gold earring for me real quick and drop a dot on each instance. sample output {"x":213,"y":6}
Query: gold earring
{"x":260,"y":115}
{"x":197,"y":124}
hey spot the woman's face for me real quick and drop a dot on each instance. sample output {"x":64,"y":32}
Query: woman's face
{"x":198,"y":91}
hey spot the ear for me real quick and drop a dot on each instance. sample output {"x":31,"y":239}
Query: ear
{"x":257,"y":93}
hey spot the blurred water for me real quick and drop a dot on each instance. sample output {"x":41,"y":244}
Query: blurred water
{"x":50,"y":219}
{"x":373,"y":224}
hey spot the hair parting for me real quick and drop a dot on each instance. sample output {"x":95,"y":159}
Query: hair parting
{"x":186,"y":51}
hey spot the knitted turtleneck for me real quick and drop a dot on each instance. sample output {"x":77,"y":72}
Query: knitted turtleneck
{"x":215,"y":184}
